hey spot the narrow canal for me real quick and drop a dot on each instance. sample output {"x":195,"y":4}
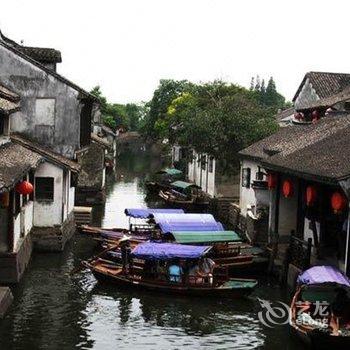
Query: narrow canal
{"x":56,"y":310}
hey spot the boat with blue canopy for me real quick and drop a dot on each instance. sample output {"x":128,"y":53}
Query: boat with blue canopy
{"x":186,"y":222}
{"x":328,"y":326}
{"x":171,"y":268}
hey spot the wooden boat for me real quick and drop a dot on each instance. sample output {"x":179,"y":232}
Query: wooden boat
{"x":326,"y":327}
{"x":184,"y":194}
{"x":160,"y":256}
{"x":163,"y":179}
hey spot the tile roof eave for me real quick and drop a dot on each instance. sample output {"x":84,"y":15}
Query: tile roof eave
{"x":304,"y":175}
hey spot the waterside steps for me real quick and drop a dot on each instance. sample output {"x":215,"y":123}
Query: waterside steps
{"x":6,"y":299}
{"x":82,"y":215}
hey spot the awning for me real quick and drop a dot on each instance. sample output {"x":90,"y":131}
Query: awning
{"x":184,"y":185}
{"x":185,"y":237}
{"x":144,"y":213}
{"x":167,"y":251}
{"x":322,"y":275}
{"x":170,"y":172}
{"x":186,"y":222}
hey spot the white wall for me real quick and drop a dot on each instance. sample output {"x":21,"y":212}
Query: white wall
{"x":202,"y":177}
{"x":16,"y":231}
{"x":48,"y":214}
{"x":249,"y":196}
{"x":288,"y":211}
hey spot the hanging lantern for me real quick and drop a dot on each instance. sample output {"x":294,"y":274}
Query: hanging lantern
{"x":5,"y":199}
{"x":287,"y":188}
{"x":311,"y":195}
{"x":24,"y":188}
{"x":315,"y":116}
{"x":338,"y":202}
{"x":271,"y":180}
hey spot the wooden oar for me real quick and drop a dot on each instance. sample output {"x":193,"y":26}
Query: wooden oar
{"x":82,"y":267}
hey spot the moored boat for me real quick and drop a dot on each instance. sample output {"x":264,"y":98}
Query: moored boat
{"x":320,"y":309}
{"x":157,"y":272}
{"x":184,"y":194}
{"x":163,"y":179}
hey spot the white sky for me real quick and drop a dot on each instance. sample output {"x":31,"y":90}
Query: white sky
{"x":126,"y":46}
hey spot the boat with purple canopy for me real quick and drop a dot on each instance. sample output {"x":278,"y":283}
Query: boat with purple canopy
{"x":320,"y":309}
{"x":195,"y":275}
{"x":139,"y":228}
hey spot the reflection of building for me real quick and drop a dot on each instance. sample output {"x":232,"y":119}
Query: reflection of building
{"x":300,"y":176}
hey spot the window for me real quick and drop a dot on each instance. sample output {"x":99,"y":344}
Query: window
{"x":203,"y":162}
{"x":17,"y":199}
{"x":45,"y":111}
{"x":246,"y":177}
{"x":44,"y":188}
{"x":211,"y":164}
{"x":2,"y":125}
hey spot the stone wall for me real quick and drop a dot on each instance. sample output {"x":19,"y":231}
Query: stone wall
{"x":13,"y":265}
{"x":53,"y":239}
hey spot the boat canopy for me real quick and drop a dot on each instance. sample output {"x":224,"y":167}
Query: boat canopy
{"x":170,"y":172}
{"x":185,"y":237}
{"x":186,"y":222}
{"x":167,"y":251}
{"x":184,"y":185}
{"x":144,"y":213}
{"x":323,"y":275}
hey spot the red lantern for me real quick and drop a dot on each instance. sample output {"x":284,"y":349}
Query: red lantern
{"x":311,"y":195}
{"x":24,"y":188}
{"x":287,"y":188}
{"x":338,"y":202}
{"x":271,"y":180}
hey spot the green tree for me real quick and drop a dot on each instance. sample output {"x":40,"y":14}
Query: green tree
{"x":219,"y":119}
{"x":157,"y":108}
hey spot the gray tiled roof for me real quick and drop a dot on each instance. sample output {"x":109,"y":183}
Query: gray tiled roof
{"x":325,"y":83}
{"x":16,"y":161}
{"x":46,"y":153}
{"x":9,"y":101}
{"x":42,"y":54}
{"x":317,"y":150}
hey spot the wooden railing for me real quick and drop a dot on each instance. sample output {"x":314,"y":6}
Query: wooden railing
{"x":299,"y":252}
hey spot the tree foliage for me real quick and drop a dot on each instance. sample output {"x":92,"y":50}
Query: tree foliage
{"x":116,"y":115}
{"x":166,"y":92}
{"x":215,"y":118}
{"x":218,"y":119}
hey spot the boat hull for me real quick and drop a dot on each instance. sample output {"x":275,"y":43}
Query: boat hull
{"x":322,"y":341}
{"x":178,"y":289}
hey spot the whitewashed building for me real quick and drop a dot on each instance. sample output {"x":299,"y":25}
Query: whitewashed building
{"x":202,"y":172}
{"x":43,"y":218}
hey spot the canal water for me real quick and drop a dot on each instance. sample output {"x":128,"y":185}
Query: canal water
{"x":54,"y":309}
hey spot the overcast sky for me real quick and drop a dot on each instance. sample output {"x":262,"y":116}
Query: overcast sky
{"x":126,"y":46}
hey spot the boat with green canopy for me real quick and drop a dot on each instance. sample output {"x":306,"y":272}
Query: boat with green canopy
{"x":201,"y":237}
{"x":162,"y":179}
{"x":171,"y":268}
{"x":226,"y":246}
{"x":182,"y":193}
